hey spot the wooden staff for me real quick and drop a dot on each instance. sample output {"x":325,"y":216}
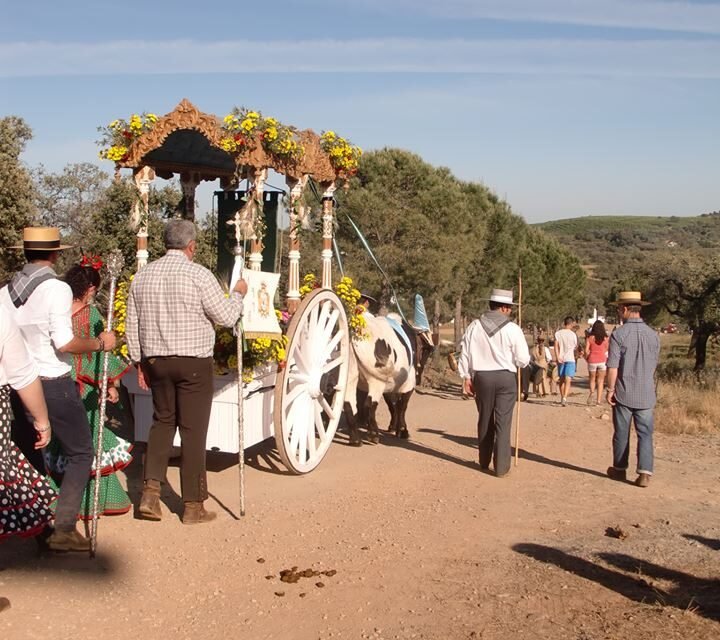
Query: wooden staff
{"x":519,"y":375}
{"x":114,"y":264}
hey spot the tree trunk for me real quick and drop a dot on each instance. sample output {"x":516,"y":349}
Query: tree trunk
{"x":700,"y":338}
{"x":458,"y":322}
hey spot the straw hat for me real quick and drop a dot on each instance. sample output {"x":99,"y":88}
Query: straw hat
{"x":41,"y":239}
{"x":503,"y":296}
{"x":628,"y":298}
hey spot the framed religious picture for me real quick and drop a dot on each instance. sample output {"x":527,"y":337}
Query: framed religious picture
{"x":259,"y":318}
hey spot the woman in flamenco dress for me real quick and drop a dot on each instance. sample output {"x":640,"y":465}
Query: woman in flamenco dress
{"x":87,"y":370}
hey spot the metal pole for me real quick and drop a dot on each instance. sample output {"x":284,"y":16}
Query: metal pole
{"x":237,"y":274}
{"x":517,"y":415}
{"x":114,"y":265}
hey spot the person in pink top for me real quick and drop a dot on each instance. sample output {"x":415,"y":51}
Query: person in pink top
{"x":596,"y":354}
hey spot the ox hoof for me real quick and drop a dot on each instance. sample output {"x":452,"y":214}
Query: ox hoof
{"x":404,"y":434}
{"x":374,"y":439}
{"x":356,"y":443}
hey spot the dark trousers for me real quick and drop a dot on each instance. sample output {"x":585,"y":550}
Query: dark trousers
{"x":70,"y":427}
{"x":182,"y":390}
{"x":495,"y":396}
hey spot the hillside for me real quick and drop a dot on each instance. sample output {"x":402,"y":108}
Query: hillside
{"x":613,"y":248}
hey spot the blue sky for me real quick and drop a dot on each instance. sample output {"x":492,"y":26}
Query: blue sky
{"x":563,"y":107}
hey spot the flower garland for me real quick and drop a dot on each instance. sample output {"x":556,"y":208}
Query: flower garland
{"x":350,"y":297}
{"x":121,"y":297}
{"x":120,"y":134}
{"x":344,"y":156}
{"x":243,"y":128}
{"x":257,"y":352}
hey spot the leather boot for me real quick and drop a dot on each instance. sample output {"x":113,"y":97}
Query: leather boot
{"x":643,"y":480}
{"x":71,"y":540}
{"x":195,"y":513}
{"x":149,"y":508}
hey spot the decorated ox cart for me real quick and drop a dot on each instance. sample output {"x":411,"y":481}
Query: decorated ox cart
{"x":300,"y":403}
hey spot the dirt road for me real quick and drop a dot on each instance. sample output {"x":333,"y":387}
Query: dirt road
{"x":423,"y":544}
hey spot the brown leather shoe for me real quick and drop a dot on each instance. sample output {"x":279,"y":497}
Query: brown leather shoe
{"x":149,"y":508}
{"x":617,"y":474}
{"x":643,"y":480}
{"x":68,"y":541}
{"x":195,"y":513}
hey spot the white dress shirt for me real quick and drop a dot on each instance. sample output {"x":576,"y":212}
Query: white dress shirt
{"x":506,"y":350}
{"x":17,"y":368}
{"x":46,"y":325}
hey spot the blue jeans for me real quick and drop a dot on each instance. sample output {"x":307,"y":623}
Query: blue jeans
{"x":643,"y":419}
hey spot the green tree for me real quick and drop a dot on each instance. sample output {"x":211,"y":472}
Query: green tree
{"x":688,"y":287}
{"x":110,"y":223}
{"x":67,"y":199}
{"x":17,"y":192}
{"x":553,"y":279}
{"x":415,"y":218}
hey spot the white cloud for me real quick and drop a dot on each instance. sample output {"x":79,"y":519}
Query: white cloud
{"x":663,"y":15}
{"x":650,"y":58}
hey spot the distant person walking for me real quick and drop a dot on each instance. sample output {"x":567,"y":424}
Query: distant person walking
{"x":541,"y":360}
{"x":566,"y":344}
{"x":492,"y":349}
{"x":552,"y":365}
{"x":596,"y":354}
{"x":634,"y":352}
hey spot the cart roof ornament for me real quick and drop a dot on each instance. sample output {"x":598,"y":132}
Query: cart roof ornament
{"x":191,"y":142}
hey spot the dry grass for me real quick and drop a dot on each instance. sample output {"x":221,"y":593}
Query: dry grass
{"x":687,"y":408}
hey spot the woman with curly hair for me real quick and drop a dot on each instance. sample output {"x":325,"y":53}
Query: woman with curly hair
{"x":87,"y":370}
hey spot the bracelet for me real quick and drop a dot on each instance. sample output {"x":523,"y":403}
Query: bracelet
{"x":43,"y":430}
{"x":101,"y":345}
{"x":609,"y":390}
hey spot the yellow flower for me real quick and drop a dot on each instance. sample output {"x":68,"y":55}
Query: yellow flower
{"x":271,"y":133}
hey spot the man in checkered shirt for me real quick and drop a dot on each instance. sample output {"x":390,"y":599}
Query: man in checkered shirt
{"x":634,"y":352}
{"x":173,"y":306}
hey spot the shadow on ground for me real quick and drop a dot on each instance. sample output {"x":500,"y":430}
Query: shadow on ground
{"x":636,"y":579}
{"x":469,"y":441}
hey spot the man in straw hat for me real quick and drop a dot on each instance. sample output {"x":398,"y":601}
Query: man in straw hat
{"x":634,"y":351}
{"x":492,"y":349}
{"x":41,"y":304}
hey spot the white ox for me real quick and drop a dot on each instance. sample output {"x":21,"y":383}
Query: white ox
{"x":381,"y":365}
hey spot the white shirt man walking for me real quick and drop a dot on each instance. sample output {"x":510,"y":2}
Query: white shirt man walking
{"x":566,"y":343}
{"x":492,"y":349}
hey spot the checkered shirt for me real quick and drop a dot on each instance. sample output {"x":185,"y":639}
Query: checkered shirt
{"x":634,"y":352}
{"x":172,"y":306}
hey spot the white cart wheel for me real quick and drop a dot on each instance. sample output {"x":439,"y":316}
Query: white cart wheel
{"x":310,"y":390}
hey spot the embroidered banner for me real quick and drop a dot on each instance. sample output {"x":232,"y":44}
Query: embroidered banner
{"x":259,"y":318}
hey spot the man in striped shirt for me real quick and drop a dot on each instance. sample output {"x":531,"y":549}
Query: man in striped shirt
{"x":172,"y":309}
{"x":634,"y":352}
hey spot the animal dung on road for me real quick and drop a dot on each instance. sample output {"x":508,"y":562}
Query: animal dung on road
{"x":292,"y":576}
{"x":616,"y":532}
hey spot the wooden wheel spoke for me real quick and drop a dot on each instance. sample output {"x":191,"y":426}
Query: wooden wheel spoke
{"x":295,"y":393}
{"x":300,"y":361}
{"x":332,"y":364}
{"x":326,"y":408}
{"x":334,"y":342}
{"x":319,"y":424}
{"x":332,"y":321}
